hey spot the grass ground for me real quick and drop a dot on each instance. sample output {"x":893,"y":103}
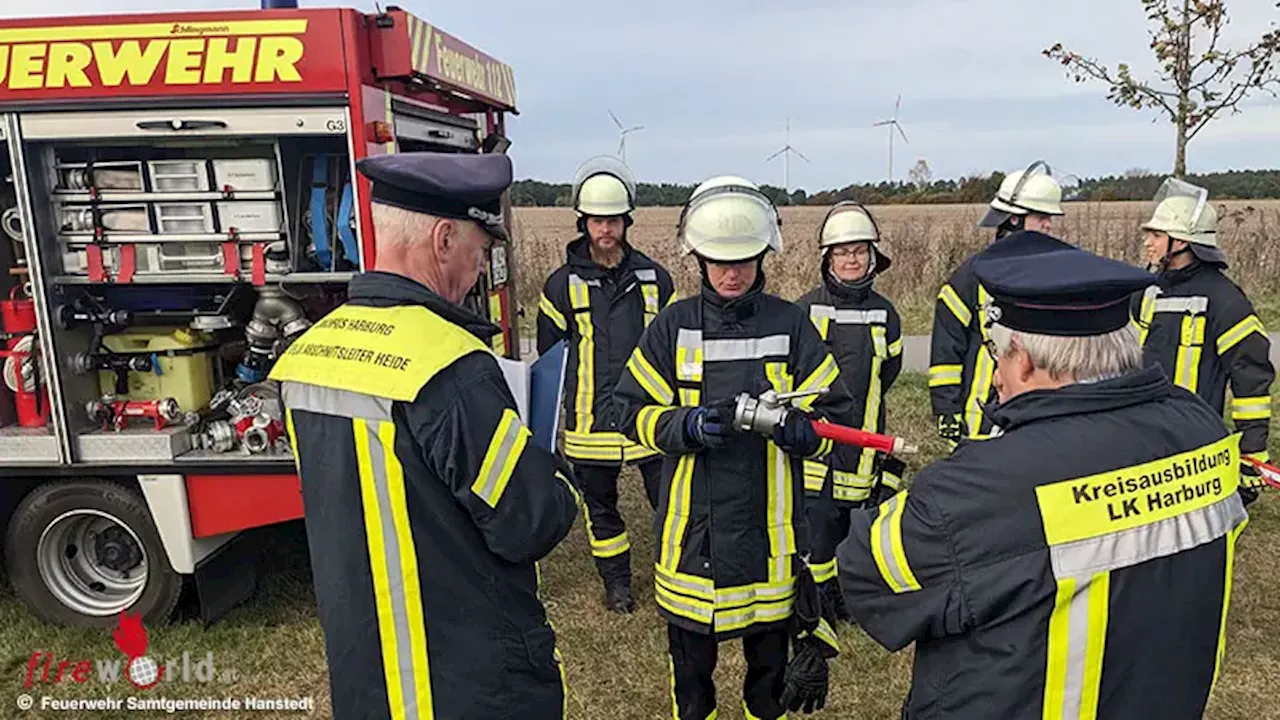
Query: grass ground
{"x":616,"y":666}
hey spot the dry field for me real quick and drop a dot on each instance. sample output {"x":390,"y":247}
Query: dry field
{"x":926,"y":243}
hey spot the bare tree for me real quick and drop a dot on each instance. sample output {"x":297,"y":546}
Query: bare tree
{"x":1197,"y":86}
{"x":920,"y":174}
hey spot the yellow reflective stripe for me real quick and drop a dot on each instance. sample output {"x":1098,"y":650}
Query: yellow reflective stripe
{"x":887,"y":549}
{"x":824,"y":571}
{"x":1239,"y":332}
{"x":671,"y":300}
{"x":611,"y":547}
{"x":689,"y":356}
{"x":821,"y":321}
{"x":1251,"y":408}
{"x":647,"y":424}
{"x":823,"y":376}
{"x":649,"y":378}
{"x":678,"y":510}
{"x":782,"y":537}
{"x":824,"y":449}
{"x":1077,"y":642}
{"x":815,"y":475}
{"x":1187,"y":366}
{"x":844,"y":494}
{"x":940,"y":375}
{"x":671,"y":671}
{"x":895,"y":348}
{"x":547,"y":308}
{"x":824,"y":633}
{"x":392,"y":554}
{"x":951,"y":299}
{"x":586,"y":371}
{"x":1264,"y":456}
{"x":500,"y":459}
{"x":871,"y":412}
{"x":1146,"y":312}
{"x":596,"y":439}
{"x":891,"y":481}
{"x":983,"y":372}
{"x":763,"y":612}
{"x":650,"y":293}
{"x":1232,"y":536}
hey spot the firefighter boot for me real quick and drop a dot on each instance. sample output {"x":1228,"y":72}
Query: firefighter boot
{"x":618,"y":598}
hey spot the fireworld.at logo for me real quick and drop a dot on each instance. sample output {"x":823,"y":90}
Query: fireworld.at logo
{"x":139,"y":668}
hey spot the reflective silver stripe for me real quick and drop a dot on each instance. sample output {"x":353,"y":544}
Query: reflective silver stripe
{"x":579,"y":294}
{"x":746,"y":348}
{"x":331,"y":401}
{"x":690,"y":365}
{"x":1196,"y":304}
{"x":850,"y":317}
{"x":1126,"y":548}
{"x":647,"y":275}
{"x":395,"y":573}
{"x":489,"y":488}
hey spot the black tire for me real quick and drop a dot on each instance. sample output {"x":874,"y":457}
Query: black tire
{"x":45,"y":504}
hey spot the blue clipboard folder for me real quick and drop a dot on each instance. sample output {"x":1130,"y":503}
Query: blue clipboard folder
{"x":546,"y":393}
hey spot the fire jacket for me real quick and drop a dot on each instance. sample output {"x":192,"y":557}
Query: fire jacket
{"x":960,"y":369}
{"x":426,"y":510}
{"x":601,"y":312}
{"x":1202,"y":331}
{"x":1079,"y":565}
{"x":864,"y":333}
{"x":730,"y":522}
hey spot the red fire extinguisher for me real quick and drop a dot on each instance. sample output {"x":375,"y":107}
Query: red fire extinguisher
{"x":18,"y":324}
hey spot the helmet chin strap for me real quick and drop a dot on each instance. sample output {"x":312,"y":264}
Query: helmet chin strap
{"x":1010,"y":226}
{"x":1163,"y":266}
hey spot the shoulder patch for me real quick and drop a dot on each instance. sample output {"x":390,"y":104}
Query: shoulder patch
{"x":384,"y":352}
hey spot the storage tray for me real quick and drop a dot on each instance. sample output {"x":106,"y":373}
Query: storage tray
{"x":135,"y":444}
{"x":28,"y":445}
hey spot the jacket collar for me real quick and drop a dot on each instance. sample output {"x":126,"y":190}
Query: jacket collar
{"x":1172,"y":278}
{"x":384,"y":289}
{"x":734,"y":309}
{"x":844,"y":291}
{"x":1135,"y":388}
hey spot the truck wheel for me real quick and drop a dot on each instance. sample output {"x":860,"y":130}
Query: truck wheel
{"x":80,"y":552}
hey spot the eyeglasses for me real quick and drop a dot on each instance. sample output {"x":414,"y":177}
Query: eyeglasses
{"x":842,"y":252}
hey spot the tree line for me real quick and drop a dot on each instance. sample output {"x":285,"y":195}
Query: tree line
{"x":1132,"y":185}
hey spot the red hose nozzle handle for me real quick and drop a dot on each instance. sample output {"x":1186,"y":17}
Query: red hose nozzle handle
{"x":861,"y":438}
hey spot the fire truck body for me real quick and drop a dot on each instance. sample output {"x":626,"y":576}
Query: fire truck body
{"x":181,"y":203}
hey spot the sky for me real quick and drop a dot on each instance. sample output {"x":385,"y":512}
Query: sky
{"x":714,"y":83}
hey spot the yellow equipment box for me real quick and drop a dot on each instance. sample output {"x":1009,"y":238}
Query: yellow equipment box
{"x":185,"y":378}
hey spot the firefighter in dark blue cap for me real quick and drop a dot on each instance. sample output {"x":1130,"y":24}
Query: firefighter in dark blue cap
{"x":427,"y":507}
{"x":1079,"y":564}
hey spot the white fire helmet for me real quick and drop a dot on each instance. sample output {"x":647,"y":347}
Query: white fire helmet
{"x":604,"y":186}
{"x":727,"y":219}
{"x":850,"y":222}
{"x":1024,"y":192}
{"x":1183,"y":212}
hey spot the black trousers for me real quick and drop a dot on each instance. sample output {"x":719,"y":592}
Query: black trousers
{"x":693,"y":659}
{"x":610,"y":546}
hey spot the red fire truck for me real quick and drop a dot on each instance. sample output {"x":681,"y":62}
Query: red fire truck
{"x":178,"y":203}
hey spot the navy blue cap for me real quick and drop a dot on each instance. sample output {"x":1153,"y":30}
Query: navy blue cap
{"x":1039,"y":284}
{"x":448,"y":185}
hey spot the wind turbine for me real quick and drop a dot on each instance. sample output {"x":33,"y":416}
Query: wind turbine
{"x":786,"y":152}
{"x":893,"y":124}
{"x":622,"y":132}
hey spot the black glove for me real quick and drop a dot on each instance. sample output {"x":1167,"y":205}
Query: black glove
{"x":951,"y":427}
{"x":706,"y":427}
{"x":796,"y":435}
{"x":1250,"y":481}
{"x":806,"y":679}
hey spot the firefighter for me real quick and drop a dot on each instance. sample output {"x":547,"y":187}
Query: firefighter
{"x":1078,"y":565}
{"x":959,"y":372}
{"x":864,"y":332}
{"x":732,"y":537}
{"x":427,"y":506}
{"x":600,"y":301}
{"x":1198,"y":325}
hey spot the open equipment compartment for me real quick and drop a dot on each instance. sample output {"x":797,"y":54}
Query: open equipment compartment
{"x":27,"y":434}
{"x":185,"y":250}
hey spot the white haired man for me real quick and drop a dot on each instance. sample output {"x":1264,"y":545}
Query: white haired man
{"x":1078,"y":564}
{"x":426,"y":505}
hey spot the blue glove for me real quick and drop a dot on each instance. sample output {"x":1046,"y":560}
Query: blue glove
{"x":796,"y":435}
{"x":707,"y":427}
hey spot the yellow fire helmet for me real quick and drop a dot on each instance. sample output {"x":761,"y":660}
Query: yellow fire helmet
{"x":604,"y":186}
{"x":1183,"y":212}
{"x":728,"y":219}
{"x":850,"y":222}
{"x":1024,"y":192}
